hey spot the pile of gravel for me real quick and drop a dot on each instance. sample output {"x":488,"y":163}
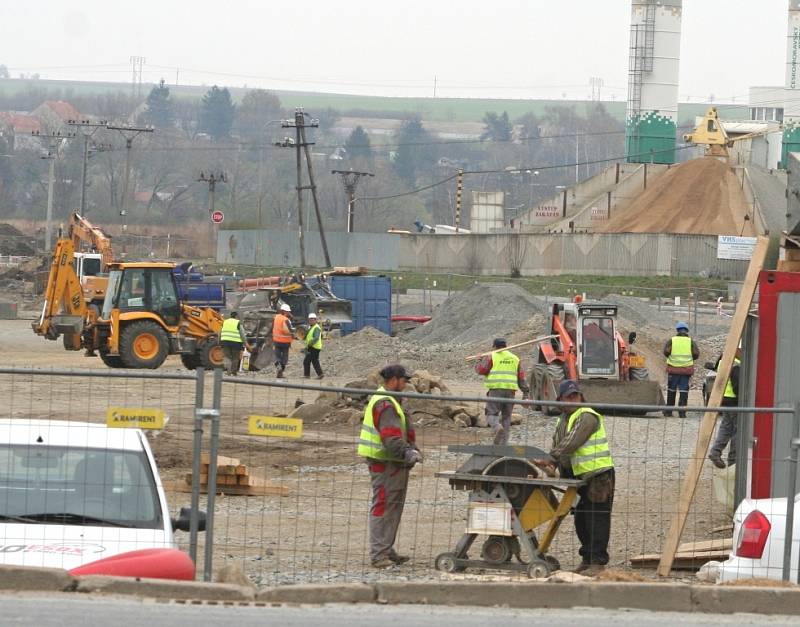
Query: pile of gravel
{"x":479,"y":313}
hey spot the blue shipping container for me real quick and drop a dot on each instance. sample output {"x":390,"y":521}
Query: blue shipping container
{"x":372,"y":301}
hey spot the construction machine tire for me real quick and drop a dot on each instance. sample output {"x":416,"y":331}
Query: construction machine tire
{"x":143,"y":344}
{"x":72,"y":341}
{"x":209,"y":355}
{"x":190,"y":361}
{"x":112,"y":361}
{"x":544,"y":382}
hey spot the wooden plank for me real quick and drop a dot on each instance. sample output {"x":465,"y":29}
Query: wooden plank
{"x":351,"y":270}
{"x":706,"y":430}
{"x":717,"y":544}
{"x":205,"y":458}
{"x":227,"y":470}
{"x":241,"y":469}
{"x":537,"y":340}
{"x":232,"y":490}
{"x":788,"y":265}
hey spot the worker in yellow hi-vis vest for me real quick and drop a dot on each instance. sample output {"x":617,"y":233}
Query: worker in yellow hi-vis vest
{"x":681,"y":352}
{"x":580,"y":450}
{"x":504,"y":376}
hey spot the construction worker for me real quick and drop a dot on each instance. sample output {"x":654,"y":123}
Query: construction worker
{"x":580,"y":450}
{"x":387,"y":441}
{"x":504,"y":376}
{"x":726,"y":432}
{"x":233,"y":339}
{"x":681,"y":352}
{"x":282,"y":335}
{"x":313,"y":347}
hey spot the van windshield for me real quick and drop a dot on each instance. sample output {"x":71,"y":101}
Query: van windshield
{"x":77,"y":486}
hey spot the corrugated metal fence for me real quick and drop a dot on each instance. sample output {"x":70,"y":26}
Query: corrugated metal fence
{"x":502,"y":254}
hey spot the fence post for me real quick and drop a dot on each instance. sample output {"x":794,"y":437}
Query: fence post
{"x":790,"y":493}
{"x":694,"y":322}
{"x":196,"y":446}
{"x":449,"y":283}
{"x":212,"y":474}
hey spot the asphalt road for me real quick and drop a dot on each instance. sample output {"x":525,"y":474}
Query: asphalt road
{"x":74,"y":609}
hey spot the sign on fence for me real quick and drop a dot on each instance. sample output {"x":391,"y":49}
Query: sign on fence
{"x":135,"y":417}
{"x":270,"y":426}
{"x":732,"y":247}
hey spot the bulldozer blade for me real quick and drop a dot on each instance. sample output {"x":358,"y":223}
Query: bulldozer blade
{"x":623,"y":392}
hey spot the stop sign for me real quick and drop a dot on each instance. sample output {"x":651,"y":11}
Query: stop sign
{"x":217,"y":217}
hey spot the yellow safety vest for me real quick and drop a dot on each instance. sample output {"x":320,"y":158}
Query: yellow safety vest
{"x":230,"y":331}
{"x":318,"y":343}
{"x":503,"y":375}
{"x":594,"y":454}
{"x":369,"y":442}
{"x":681,"y":354}
{"x":729,"y":393}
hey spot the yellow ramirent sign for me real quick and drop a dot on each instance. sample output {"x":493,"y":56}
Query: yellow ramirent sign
{"x":273,"y":427}
{"x":135,"y":417}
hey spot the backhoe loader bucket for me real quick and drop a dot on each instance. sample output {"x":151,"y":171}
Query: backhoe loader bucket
{"x":623,"y":392}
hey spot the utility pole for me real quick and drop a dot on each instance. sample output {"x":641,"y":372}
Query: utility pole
{"x":212,"y":179}
{"x":300,"y":143}
{"x":54,"y":148}
{"x":129,"y":133}
{"x":350,"y":180}
{"x":86,"y":128}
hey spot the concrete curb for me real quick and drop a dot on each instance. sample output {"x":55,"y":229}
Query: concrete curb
{"x":319,"y":594}
{"x":34,"y":578}
{"x":164,"y":589}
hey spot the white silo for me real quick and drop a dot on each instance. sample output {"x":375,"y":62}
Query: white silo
{"x":791,"y":107}
{"x":653,"y":68}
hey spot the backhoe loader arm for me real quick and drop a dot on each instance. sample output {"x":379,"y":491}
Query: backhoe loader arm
{"x":63,"y":295}
{"x":81,"y":231}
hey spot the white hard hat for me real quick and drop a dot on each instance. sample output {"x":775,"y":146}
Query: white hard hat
{"x":312,"y":315}
{"x":285,"y":307}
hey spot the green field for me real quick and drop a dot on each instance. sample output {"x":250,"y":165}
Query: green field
{"x":433,"y":109}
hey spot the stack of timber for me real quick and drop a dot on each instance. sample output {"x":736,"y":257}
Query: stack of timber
{"x":233,"y":478}
{"x":690,"y":555}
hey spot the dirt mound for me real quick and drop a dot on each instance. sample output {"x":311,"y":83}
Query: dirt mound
{"x":701,"y":196}
{"x":8,"y":230}
{"x":476,"y":315}
{"x":15,"y":242}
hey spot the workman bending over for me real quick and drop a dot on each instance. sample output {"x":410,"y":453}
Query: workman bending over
{"x":726,"y":432}
{"x":388,"y":443}
{"x":580,"y":450}
{"x":504,"y":376}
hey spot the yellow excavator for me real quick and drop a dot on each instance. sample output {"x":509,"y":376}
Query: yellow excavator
{"x":141,"y":320}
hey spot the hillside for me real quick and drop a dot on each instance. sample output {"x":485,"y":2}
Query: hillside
{"x":433,"y":109}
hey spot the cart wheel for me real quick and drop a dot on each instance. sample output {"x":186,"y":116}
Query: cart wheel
{"x":497,"y":550}
{"x":446,"y":562}
{"x":538,"y":569}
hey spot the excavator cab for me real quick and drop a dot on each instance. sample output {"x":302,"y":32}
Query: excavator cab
{"x":598,"y":353}
{"x":148,"y":288}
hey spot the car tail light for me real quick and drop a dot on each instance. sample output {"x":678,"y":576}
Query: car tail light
{"x":753,"y":535}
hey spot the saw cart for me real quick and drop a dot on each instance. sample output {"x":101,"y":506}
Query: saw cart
{"x":510,"y":498}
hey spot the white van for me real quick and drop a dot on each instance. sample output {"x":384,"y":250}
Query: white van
{"x":86,"y":498}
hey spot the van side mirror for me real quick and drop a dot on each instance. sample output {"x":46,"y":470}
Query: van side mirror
{"x":631,"y":337}
{"x":183,"y":521}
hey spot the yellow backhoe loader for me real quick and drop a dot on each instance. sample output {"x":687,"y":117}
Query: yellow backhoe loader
{"x":142,"y":319}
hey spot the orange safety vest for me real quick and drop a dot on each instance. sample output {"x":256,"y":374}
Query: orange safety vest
{"x":280,"y":332}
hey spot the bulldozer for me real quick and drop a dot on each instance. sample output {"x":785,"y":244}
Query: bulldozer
{"x":587,"y":346}
{"x":141,"y":321}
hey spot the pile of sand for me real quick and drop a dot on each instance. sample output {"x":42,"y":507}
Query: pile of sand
{"x":701,"y":196}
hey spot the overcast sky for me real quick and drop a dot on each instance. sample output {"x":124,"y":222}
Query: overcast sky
{"x":507,"y":49}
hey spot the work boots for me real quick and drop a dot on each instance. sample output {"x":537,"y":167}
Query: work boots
{"x":683,"y":401}
{"x":670,"y":403}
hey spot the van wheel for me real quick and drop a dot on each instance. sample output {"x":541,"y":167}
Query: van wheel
{"x":143,"y":344}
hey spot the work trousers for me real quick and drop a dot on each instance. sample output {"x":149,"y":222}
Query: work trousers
{"x":498,"y":415}
{"x":677,"y":384}
{"x":726,"y":434}
{"x":312,"y":359}
{"x":281,"y":354}
{"x":389,"y":484}
{"x":232,"y":356}
{"x":593,"y":517}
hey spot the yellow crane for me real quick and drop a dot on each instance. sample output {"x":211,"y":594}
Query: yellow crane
{"x":711,"y":134}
